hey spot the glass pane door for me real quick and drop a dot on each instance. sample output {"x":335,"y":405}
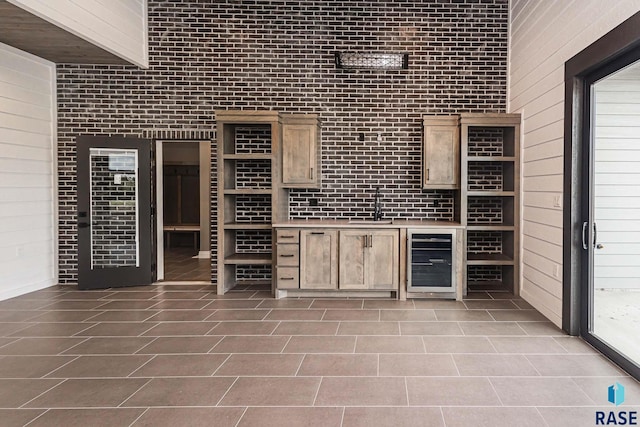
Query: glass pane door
{"x":114,"y":208}
{"x":614,"y":227}
{"x":115,"y":215}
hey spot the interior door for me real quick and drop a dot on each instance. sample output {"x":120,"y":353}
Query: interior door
{"x":611,"y":212}
{"x":114,"y":212}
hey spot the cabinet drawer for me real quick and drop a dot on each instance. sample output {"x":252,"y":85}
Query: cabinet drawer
{"x":287,"y":277}
{"x":288,"y":236}
{"x":288,"y":255}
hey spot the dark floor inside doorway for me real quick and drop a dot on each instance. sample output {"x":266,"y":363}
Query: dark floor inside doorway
{"x":180,"y":265}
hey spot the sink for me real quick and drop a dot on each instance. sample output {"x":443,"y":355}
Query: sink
{"x":370,"y":221}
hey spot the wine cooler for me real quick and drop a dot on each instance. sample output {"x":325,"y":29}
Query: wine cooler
{"x":431,"y":263}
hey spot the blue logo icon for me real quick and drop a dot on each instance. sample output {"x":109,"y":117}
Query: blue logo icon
{"x":616,"y":394}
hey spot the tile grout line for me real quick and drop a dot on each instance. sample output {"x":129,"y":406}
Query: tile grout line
{"x":132,"y":394}
{"x":444,"y":420}
{"x":142,"y":366}
{"x":213,"y":374}
{"x":315,"y":397}
{"x":44,"y":392}
{"x":246,"y":409}
{"x":406,"y":390}
{"x":227,"y":392}
{"x":139,"y":417}
{"x":36,"y":418}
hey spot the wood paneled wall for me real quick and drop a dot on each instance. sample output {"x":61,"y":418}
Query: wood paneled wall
{"x":28,"y":201}
{"x":543,"y":35}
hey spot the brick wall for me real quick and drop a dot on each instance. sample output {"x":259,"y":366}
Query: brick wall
{"x":486,"y":141}
{"x":259,"y":54}
{"x":485,"y":210}
{"x":484,"y":176}
{"x":113,"y":204}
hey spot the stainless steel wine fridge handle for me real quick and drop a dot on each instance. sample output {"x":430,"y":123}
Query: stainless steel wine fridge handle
{"x":584,"y":238}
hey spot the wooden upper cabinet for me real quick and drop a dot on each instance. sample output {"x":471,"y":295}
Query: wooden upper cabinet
{"x":300,"y":151}
{"x":441,"y":152}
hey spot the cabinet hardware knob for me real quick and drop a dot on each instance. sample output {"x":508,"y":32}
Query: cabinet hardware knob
{"x":286,"y":255}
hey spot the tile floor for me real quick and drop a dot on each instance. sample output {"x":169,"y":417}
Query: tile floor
{"x":180,"y":265}
{"x":616,"y":318}
{"x":180,"y":355}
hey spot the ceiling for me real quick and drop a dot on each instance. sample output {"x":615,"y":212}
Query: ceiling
{"x":28,"y":32}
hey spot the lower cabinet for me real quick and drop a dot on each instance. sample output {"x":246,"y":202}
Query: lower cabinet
{"x":318,"y":259}
{"x":361,"y":259}
{"x":368,"y":259}
{"x":332,"y":259}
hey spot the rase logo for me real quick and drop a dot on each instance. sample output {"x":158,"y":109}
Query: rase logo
{"x":616,"y":394}
{"x":616,"y":418}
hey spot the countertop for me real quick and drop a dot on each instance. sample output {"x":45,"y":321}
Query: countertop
{"x":367,"y":223}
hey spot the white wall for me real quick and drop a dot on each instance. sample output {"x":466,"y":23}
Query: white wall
{"x":28,"y":235}
{"x":118,"y":26}
{"x":545,"y":34}
{"x":617,"y":180}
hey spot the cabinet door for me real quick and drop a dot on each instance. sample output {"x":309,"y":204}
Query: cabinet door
{"x":441,"y":157}
{"x":299,"y":156}
{"x":383,"y":260}
{"x":318,"y":260}
{"x":352,"y":263}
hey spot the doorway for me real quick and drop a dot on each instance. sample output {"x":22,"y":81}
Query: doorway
{"x":183,"y":194}
{"x":601,"y":215}
{"x":611,"y":210}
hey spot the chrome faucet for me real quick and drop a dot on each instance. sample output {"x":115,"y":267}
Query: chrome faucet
{"x":377,"y":207}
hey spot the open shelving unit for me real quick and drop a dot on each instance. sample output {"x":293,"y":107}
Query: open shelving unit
{"x":490,"y":201}
{"x":250,"y":197}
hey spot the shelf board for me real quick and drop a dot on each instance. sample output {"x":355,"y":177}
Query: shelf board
{"x":247,"y":226}
{"x":490,"y":227}
{"x":249,"y":259}
{"x":491,"y":193}
{"x":247,"y":156}
{"x":253,"y":282}
{"x":489,"y":259}
{"x":488,"y":285}
{"x":491,"y":158}
{"x":247,"y":191}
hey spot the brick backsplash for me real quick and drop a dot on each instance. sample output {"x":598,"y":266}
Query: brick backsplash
{"x":255,"y":174}
{"x":484,"y":176}
{"x":253,"y":208}
{"x":484,"y":242}
{"x":252,"y":241}
{"x":485,"y":210}
{"x":250,"y":273}
{"x":485,"y":141}
{"x":279,"y":55}
{"x":477,"y":274}
{"x":252,"y":140}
